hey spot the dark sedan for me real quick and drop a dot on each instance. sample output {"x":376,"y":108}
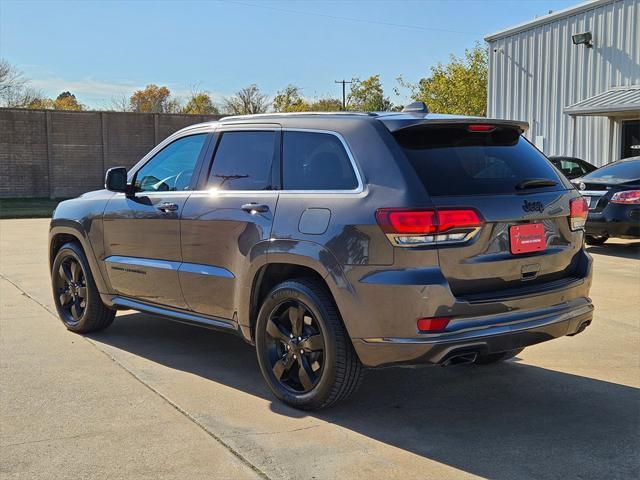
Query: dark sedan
{"x":572,"y":167}
{"x":613,"y":195}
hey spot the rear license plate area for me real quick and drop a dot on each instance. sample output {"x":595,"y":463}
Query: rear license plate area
{"x":527,"y":238}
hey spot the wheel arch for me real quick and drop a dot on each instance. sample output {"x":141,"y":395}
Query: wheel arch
{"x":65,"y":231}
{"x":287,"y":259}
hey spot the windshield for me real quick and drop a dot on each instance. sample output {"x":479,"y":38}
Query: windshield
{"x":628,"y":170}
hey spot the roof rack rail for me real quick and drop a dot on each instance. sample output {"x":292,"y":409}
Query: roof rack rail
{"x":293,"y":114}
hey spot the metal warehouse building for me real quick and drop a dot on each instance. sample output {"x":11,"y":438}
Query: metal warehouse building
{"x":574,"y":75}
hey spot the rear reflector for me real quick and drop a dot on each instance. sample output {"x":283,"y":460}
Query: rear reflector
{"x":481,"y":127}
{"x":629,"y":197}
{"x":433,"y":324}
{"x":578,"y":213}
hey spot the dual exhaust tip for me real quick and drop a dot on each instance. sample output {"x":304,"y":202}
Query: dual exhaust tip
{"x":461,"y":358}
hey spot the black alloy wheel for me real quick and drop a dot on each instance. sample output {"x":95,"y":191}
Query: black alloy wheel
{"x":295,"y":346}
{"x":71,"y":287}
{"x":75,"y":294}
{"x":304,"y":352}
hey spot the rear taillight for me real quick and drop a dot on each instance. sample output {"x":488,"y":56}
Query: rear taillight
{"x":578,"y":213}
{"x":629,"y":197}
{"x":433,"y":324}
{"x":415,"y":227}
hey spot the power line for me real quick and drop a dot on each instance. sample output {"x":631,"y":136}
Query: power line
{"x":351,"y":19}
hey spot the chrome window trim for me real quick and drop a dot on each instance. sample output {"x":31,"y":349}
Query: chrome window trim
{"x":358,"y":190}
{"x":231,"y":127}
{"x":158,"y":193}
{"x":354,"y":165}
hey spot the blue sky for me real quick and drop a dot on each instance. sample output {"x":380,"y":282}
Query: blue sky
{"x":105,"y":49}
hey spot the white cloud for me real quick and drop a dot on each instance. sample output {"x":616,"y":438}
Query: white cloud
{"x":99,"y":93}
{"x":86,"y":86}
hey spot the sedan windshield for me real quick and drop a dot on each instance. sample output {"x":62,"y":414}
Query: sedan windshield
{"x":627,"y":170}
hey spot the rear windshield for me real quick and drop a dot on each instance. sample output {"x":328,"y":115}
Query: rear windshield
{"x":629,"y":170}
{"x":451,"y":160}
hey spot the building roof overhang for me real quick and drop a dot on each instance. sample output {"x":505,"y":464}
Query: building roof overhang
{"x":617,"y":101}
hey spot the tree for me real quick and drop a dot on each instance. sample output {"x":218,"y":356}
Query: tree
{"x":64,"y":101}
{"x":153,"y":99}
{"x":326,"y":105}
{"x":14,"y":87}
{"x":120,"y":103}
{"x":200,"y":103}
{"x":290,"y":100}
{"x":368,"y":96}
{"x":248,"y":100}
{"x":12,"y":82}
{"x":40,"y":103}
{"x":459,"y":88}
{"x":67,"y":101}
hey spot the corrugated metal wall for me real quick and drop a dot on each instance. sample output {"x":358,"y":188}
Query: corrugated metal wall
{"x":534,"y":74}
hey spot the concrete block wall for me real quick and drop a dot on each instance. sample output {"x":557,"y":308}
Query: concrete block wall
{"x":57,"y":154}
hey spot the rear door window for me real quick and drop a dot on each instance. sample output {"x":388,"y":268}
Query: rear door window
{"x":316,"y":161}
{"x":450,"y":160}
{"x":243,"y":161}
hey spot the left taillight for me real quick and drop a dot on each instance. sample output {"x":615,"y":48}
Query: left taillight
{"x":578,"y":213}
{"x":628,"y":197}
{"x":416,"y":227}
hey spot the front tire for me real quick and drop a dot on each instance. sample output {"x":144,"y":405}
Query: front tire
{"x":304,"y":352}
{"x":596,"y":240}
{"x":75,"y":294}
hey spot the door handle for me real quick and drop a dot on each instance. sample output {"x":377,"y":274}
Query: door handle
{"x":167,"y":207}
{"x":255,"y":208}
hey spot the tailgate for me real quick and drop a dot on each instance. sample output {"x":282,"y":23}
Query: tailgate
{"x":488,"y":263}
{"x":524,"y":236}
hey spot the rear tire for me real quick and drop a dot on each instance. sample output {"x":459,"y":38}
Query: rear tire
{"x":75,"y":294}
{"x":304,"y":352}
{"x":490,"y":358}
{"x":596,"y":240}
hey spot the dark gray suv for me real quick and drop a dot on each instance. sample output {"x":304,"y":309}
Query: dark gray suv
{"x":334,"y":242}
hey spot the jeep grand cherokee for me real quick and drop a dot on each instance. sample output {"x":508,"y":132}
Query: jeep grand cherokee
{"x":334,"y":242}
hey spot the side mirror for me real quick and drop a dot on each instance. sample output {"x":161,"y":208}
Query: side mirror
{"x":115,"y":180}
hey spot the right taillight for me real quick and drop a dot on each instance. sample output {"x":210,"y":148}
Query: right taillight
{"x":628,"y":197}
{"x":426,"y":226}
{"x":578,"y":213}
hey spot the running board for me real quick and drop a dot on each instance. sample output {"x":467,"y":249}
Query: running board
{"x":178,"y":315}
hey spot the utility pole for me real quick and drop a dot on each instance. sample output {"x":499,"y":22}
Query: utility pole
{"x":344,"y":94}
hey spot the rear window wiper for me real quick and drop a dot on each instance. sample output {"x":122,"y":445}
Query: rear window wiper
{"x":536,"y":183}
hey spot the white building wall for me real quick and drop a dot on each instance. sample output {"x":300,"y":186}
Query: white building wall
{"x":536,"y":71}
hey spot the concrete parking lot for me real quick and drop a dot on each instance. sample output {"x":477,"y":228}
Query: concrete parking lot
{"x":149,"y":398}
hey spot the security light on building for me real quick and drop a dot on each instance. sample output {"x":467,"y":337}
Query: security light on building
{"x":583,"y":39}
{"x":580,"y":102}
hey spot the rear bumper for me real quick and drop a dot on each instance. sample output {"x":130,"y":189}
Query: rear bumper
{"x":615,"y":220}
{"x":493,"y":334}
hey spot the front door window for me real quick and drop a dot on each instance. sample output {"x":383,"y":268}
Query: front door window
{"x":171,"y":169}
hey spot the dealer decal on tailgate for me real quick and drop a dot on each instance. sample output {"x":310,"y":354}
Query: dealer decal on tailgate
{"x":527,"y":238}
